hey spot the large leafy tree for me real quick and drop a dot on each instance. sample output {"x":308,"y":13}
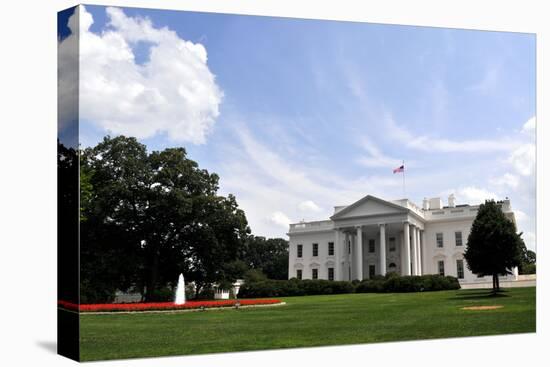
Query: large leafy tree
{"x":494,"y":247}
{"x":151,"y":216}
{"x":268,"y":255}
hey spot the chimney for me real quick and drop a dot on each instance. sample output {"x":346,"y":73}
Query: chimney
{"x":425,"y":204}
{"x":452,"y":201}
{"x":436,"y":203}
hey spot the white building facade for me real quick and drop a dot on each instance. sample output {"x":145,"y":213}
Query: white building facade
{"x":373,"y":237}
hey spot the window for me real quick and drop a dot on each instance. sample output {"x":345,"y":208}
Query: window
{"x":458,"y":238}
{"x":330,"y":273}
{"x":299,"y":274}
{"x":441,"y":267}
{"x":314,"y":273}
{"x":372,"y":271}
{"x":331,"y":249}
{"x":392,"y":244}
{"x":299,"y":250}
{"x":349,"y":247}
{"x":460,"y":269}
{"x":371,"y":246}
{"x":315,"y":251}
{"x":439,"y":239}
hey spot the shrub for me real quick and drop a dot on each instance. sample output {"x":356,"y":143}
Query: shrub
{"x":378,"y":284}
{"x":293,"y":287}
{"x":415,"y":283}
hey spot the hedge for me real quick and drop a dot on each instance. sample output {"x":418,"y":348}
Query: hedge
{"x":419,"y":283}
{"x":294,"y":287}
{"x":379,"y":284}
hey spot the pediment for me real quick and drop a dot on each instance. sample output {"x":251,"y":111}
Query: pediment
{"x":369,"y":206}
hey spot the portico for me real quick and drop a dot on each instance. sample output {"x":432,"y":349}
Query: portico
{"x":374,"y":237}
{"x":367,"y":250}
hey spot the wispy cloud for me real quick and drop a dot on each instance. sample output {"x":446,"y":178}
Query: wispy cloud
{"x":444,"y":145}
{"x":487,"y":83}
{"x":375,"y":157}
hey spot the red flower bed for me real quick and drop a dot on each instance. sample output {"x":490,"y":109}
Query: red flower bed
{"x":156,"y":306}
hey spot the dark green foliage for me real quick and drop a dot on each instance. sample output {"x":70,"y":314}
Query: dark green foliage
{"x":163,"y":294}
{"x":293,"y":287}
{"x":268,"y":255}
{"x":397,"y":284}
{"x":379,"y":284}
{"x":254,"y":275}
{"x":528,"y":263}
{"x":494,"y":247}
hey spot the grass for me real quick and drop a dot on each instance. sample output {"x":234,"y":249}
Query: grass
{"x":309,"y":321}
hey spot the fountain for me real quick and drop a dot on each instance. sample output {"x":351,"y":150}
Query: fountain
{"x":180,"y":291}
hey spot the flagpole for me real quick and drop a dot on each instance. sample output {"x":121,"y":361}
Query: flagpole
{"x":404,"y":194}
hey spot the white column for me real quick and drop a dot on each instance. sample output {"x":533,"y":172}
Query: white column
{"x":359,"y":254}
{"x":382,"y":249}
{"x":414,"y":254}
{"x":348,"y":255}
{"x":337,"y":255}
{"x":419,"y":252}
{"x":407,"y":248}
{"x":418,"y":259}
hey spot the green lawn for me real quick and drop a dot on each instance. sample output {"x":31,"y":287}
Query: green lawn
{"x":308,"y":321}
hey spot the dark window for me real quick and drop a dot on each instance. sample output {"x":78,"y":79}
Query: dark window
{"x":349,"y":247}
{"x":392,"y":244}
{"x":460,"y":269}
{"x":392,"y":266}
{"x":441,"y":267}
{"x":372,"y":271}
{"x":315,"y":251}
{"x":299,"y":252}
{"x":439,"y":239}
{"x":330,"y":273}
{"x":458,"y":238}
{"x":331,"y":249}
{"x":371,"y":246}
{"x":299,"y":274}
{"x":314,"y":273}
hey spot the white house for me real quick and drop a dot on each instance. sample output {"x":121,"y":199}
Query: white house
{"x":374,"y":236}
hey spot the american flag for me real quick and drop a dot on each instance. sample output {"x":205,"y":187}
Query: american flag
{"x":401,"y":168}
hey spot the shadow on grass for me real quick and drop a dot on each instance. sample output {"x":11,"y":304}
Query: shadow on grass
{"x":479,"y":295}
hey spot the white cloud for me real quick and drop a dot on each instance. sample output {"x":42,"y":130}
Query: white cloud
{"x":523,"y":159}
{"x":487,"y":83}
{"x":173,"y":92}
{"x":280,"y":219}
{"x":520,"y":215}
{"x":437,"y":144}
{"x":375,"y":157}
{"x":530,"y":240}
{"x":530,"y":126}
{"x":474,"y":195}
{"x":309,"y":206}
{"x":508,"y":180}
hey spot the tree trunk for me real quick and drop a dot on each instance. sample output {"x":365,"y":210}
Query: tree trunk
{"x":496,"y":284}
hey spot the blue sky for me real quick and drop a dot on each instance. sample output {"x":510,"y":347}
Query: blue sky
{"x":300,"y":115}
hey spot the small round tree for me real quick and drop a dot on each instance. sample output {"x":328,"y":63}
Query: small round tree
{"x":494,"y":247}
